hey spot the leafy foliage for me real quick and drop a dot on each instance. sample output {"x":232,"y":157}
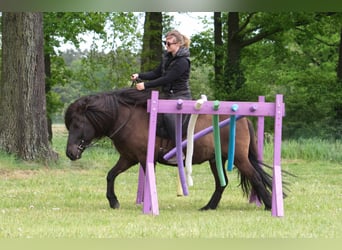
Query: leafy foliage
{"x":104,"y":67}
{"x":294,"y":54}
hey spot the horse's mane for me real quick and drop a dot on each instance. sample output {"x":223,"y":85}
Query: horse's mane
{"x":103,"y":107}
{"x":132,"y":96}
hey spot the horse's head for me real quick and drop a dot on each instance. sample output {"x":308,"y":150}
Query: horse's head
{"x":95,"y":116}
{"x":81,"y":131}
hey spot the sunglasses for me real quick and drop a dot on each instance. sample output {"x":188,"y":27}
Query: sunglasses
{"x":168,"y":44}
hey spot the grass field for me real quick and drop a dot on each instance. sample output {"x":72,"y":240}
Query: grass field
{"x":67,"y":200}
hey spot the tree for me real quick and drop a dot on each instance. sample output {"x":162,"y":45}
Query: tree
{"x":66,"y":26}
{"x":23,"y":124}
{"x":300,"y":63}
{"x":338,"y":104}
{"x":219,"y":49}
{"x":293,"y":53}
{"x":152,"y":48}
{"x":109,"y":66}
{"x":339,"y":63}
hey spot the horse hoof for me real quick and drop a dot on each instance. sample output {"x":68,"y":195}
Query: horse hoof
{"x":114,"y":205}
{"x":267,"y":208}
{"x":206,"y":208}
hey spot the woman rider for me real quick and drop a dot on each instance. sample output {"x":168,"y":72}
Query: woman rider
{"x":172,"y":75}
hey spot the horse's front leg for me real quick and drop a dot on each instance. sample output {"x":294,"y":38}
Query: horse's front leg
{"x":216,"y":197}
{"x":121,"y":166}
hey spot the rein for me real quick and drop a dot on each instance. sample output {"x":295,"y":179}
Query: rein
{"x":134,"y":82}
{"x":125,"y":123}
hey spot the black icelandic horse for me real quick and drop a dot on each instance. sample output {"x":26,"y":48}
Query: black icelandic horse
{"x":122,"y":116}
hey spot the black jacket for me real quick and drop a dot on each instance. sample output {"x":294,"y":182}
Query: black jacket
{"x":172,"y":74}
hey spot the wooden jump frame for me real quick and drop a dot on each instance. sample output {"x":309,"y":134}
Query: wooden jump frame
{"x":147,"y":191}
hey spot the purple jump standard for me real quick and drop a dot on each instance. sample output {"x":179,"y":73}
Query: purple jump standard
{"x":147,"y":192}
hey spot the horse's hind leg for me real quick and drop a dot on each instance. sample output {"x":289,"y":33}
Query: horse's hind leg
{"x":121,"y":166}
{"x":257,"y":179}
{"x":245,"y":160}
{"x":216,"y":197}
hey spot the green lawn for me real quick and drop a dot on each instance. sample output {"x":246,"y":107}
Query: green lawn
{"x":67,"y":200}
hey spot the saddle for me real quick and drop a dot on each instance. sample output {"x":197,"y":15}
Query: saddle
{"x":162,"y":129}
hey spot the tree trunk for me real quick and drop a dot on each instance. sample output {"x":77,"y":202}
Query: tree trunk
{"x":339,"y":64}
{"x":338,"y":103}
{"x":152,"y":41}
{"x":234,"y":75}
{"x":47,"y":63}
{"x":219,"y":53}
{"x":23,"y":123}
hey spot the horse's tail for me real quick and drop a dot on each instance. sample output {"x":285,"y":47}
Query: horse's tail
{"x":266,"y":178}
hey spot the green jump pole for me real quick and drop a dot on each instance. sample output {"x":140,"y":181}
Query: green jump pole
{"x":217,"y":142}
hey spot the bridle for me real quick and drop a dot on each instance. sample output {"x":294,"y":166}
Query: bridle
{"x":81,"y":146}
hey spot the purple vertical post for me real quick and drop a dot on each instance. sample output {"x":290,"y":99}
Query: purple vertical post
{"x":150,"y":190}
{"x":261,"y":124}
{"x":277,"y":189}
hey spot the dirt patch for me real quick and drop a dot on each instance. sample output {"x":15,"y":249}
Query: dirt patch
{"x":6,"y":174}
{"x":59,"y":129}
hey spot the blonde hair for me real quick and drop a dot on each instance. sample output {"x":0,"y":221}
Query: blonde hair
{"x":180,"y":38}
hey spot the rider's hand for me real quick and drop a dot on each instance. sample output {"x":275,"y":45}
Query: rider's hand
{"x":134,"y":76}
{"x":140,"y":86}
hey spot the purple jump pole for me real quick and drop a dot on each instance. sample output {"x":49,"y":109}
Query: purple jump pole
{"x":141,"y":183}
{"x":180,"y":149}
{"x":253,"y":198}
{"x":277,"y":189}
{"x":150,"y":189}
